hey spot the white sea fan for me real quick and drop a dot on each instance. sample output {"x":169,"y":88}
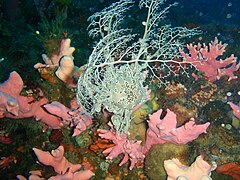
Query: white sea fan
{"x":115,"y":73}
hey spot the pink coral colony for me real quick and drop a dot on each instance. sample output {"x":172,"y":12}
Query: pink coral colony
{"x":204,"y":58}
{"x":160,"y":131}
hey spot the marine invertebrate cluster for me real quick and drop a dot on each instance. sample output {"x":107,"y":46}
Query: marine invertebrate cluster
{"x":122,"y":54}
{"x":160,"y":131}
{"x":114,"y":83}
{"x":119,"y":92}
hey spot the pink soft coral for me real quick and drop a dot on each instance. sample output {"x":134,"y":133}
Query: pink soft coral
{"x":65,"y":169}
{"x":56,"y":159}
{"x":14,"y":105}
{"x":204,"y":58}
{"x":165,"y":130}
{"x":74,"y":116}
{"x":131,"y":149}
